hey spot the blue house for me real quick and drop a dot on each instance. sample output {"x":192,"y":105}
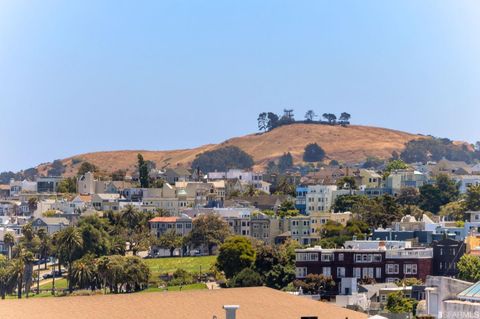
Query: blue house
{"x":301,"y":199}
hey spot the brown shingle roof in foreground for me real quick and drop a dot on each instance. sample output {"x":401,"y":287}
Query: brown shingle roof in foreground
{"x":255,"y":303}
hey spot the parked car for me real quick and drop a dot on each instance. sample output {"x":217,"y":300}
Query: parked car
{"x":41,"y":261}
{"x":57,"y":274}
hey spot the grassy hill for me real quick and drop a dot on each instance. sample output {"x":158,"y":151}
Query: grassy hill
{"x":346,"y":144}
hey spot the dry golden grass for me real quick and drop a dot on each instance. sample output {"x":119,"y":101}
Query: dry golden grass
{"x":345,"y":144}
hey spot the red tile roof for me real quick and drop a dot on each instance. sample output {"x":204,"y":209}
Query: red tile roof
{"x":163,"y":220}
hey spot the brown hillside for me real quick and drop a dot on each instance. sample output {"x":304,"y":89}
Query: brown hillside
{"x":346,"y":144}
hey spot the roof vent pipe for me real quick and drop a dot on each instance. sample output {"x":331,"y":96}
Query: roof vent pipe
{"x":231,"y":311}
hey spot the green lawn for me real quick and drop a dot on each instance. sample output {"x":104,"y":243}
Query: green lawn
{"x":43,"y":294}
{"x":60,"y":283}
{"x":198,"y":286}
{"x":169,"y":265}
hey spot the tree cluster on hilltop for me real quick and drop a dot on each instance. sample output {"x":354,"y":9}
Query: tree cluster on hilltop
{"x":267,"y":121}
{"x":435,"y":149}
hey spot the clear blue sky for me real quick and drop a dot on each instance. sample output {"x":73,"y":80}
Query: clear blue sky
{"x":82,"y":76}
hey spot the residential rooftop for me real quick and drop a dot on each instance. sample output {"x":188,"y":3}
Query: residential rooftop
{"x":255,"y":303}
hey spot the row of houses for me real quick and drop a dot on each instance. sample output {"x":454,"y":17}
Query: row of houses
{"x":250,"y":222}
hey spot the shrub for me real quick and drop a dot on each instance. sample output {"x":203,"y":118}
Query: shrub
{"x":246,"y":278}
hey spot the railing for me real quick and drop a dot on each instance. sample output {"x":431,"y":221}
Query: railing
{"x":423,"y":253}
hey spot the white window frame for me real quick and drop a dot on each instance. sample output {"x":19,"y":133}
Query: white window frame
{"x":327,"y":257}
{"x":301,"y":272}
{"x":327,"y":271}
{"x":410,"y":269}
{"x":392,"y":269}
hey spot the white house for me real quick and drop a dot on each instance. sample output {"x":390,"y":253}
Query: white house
{"x":320,"y":198}
{"x":466,"y":181}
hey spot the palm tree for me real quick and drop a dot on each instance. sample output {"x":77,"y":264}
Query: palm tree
{"x":5,"y":275}
{"x":131,"y":217}
{"x":83,"y":272}
{"x":44,"y":251}
{"x":9,"y":240}
{"x":103,"y":271}
{"x":16,"y":273}
{"x":27,"y":258}
{"x":69,"y":246}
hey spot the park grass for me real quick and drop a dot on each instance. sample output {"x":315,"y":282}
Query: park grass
{"x":43,"y":294}
{"x":160,"y":266}
{"x":60,"y":283}
{"x":198,"y":286}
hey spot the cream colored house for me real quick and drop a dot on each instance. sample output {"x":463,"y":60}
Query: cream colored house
{"x":318,"y":219}
{"x":105,"y":202}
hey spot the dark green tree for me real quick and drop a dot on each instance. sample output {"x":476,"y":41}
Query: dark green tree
{"x":67,"y":185}
{"x":472,"y":199}
{"x":143,"y":171}
{"x":234,"y":255}
{"x":285,"y":162}
{"x":247,"y":278}
{"x":398,"y":303}
{"x":331,"y":118}
{"x":222,"y":159}
{"x":310,"y":116}
{"x":208,"y":231}
{"x":86,"y":167}
{"x":315,"y":284}
{"x":170,"y":240}
{"x":469,"y":268}
{"x":444,"y":191}
{"x":262,"y":122}
{"x":345,"y":203}
{"x":345,"y":117}
{"x":313,"y":153}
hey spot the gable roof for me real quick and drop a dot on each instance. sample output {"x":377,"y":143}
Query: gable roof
{"x":54,"y":220}
{"x":255,"y":303}
{"x":106,"y":196}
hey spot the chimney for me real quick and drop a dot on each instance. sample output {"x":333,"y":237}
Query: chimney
{"x":231,"y":311}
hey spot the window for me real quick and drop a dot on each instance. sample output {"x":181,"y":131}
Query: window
{"x":392,"y":269}
{"x":365,"y":258}
{"x":368,"y":272}
{"x":410,"y":269}
{"x":378,"y":272}
{"x":307,"y":257}
{"x":326,"y":271}
{"x":340,"y":257}
{"x":340,"y":272}
{"x":327,"y":257}
{"x":377,"y":258}
{"x":357,"y":272}
{"x":301,"y":272}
